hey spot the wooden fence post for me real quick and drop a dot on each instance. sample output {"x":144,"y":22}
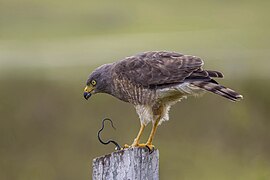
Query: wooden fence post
{"x":127,"y":164}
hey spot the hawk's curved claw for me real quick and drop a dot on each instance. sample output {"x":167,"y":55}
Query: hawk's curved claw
{"x":150,"y":148}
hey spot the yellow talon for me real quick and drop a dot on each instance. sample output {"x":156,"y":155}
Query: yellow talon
{"x":150,"y":146}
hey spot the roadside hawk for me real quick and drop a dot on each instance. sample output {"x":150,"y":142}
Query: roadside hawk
{"x":153,"y":82}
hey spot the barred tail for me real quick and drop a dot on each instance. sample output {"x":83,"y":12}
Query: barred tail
{"x":214,"y":87}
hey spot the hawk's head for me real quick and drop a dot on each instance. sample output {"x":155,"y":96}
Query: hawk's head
{"x":99,"y":81}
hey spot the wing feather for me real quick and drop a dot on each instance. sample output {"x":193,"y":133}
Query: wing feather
{"x":158,"y":68}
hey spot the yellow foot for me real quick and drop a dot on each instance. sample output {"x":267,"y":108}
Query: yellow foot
{"x":150,"y":147}
{"x":126,"y":146}
{"x":133,"y":145}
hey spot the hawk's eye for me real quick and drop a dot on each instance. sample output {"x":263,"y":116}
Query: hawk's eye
{"x":93,"y":82}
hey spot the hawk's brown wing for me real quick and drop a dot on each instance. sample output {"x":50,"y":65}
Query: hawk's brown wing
{"x":155,"y":69}
{"x":160,"y":68}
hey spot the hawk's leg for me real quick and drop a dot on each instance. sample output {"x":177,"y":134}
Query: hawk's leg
{"x":137,"y":139}
{"x":149,"y":142}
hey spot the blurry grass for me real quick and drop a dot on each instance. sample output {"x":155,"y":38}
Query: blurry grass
{"x":210,"y":162}
{"x":231,"y":51}
{"x":53,"y":19}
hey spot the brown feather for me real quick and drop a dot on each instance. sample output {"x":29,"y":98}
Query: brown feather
{"x":158,"y":68}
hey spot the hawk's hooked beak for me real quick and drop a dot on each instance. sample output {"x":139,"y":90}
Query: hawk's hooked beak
{"x":88,"y":92}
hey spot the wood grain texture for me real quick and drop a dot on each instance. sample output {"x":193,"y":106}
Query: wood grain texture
{"x":128,"y":164}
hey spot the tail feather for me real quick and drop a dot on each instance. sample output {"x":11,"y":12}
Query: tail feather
{"x":218,"y":89}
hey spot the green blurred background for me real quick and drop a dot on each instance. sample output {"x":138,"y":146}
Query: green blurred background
{"x":49,"y":47}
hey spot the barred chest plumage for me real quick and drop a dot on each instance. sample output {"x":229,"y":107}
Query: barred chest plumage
{"x":133,"y":93}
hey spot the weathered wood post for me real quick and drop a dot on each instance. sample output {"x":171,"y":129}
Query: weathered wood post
{"x":127,"y":164}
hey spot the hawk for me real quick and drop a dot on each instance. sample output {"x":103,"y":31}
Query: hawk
{"x":153,"y":82}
